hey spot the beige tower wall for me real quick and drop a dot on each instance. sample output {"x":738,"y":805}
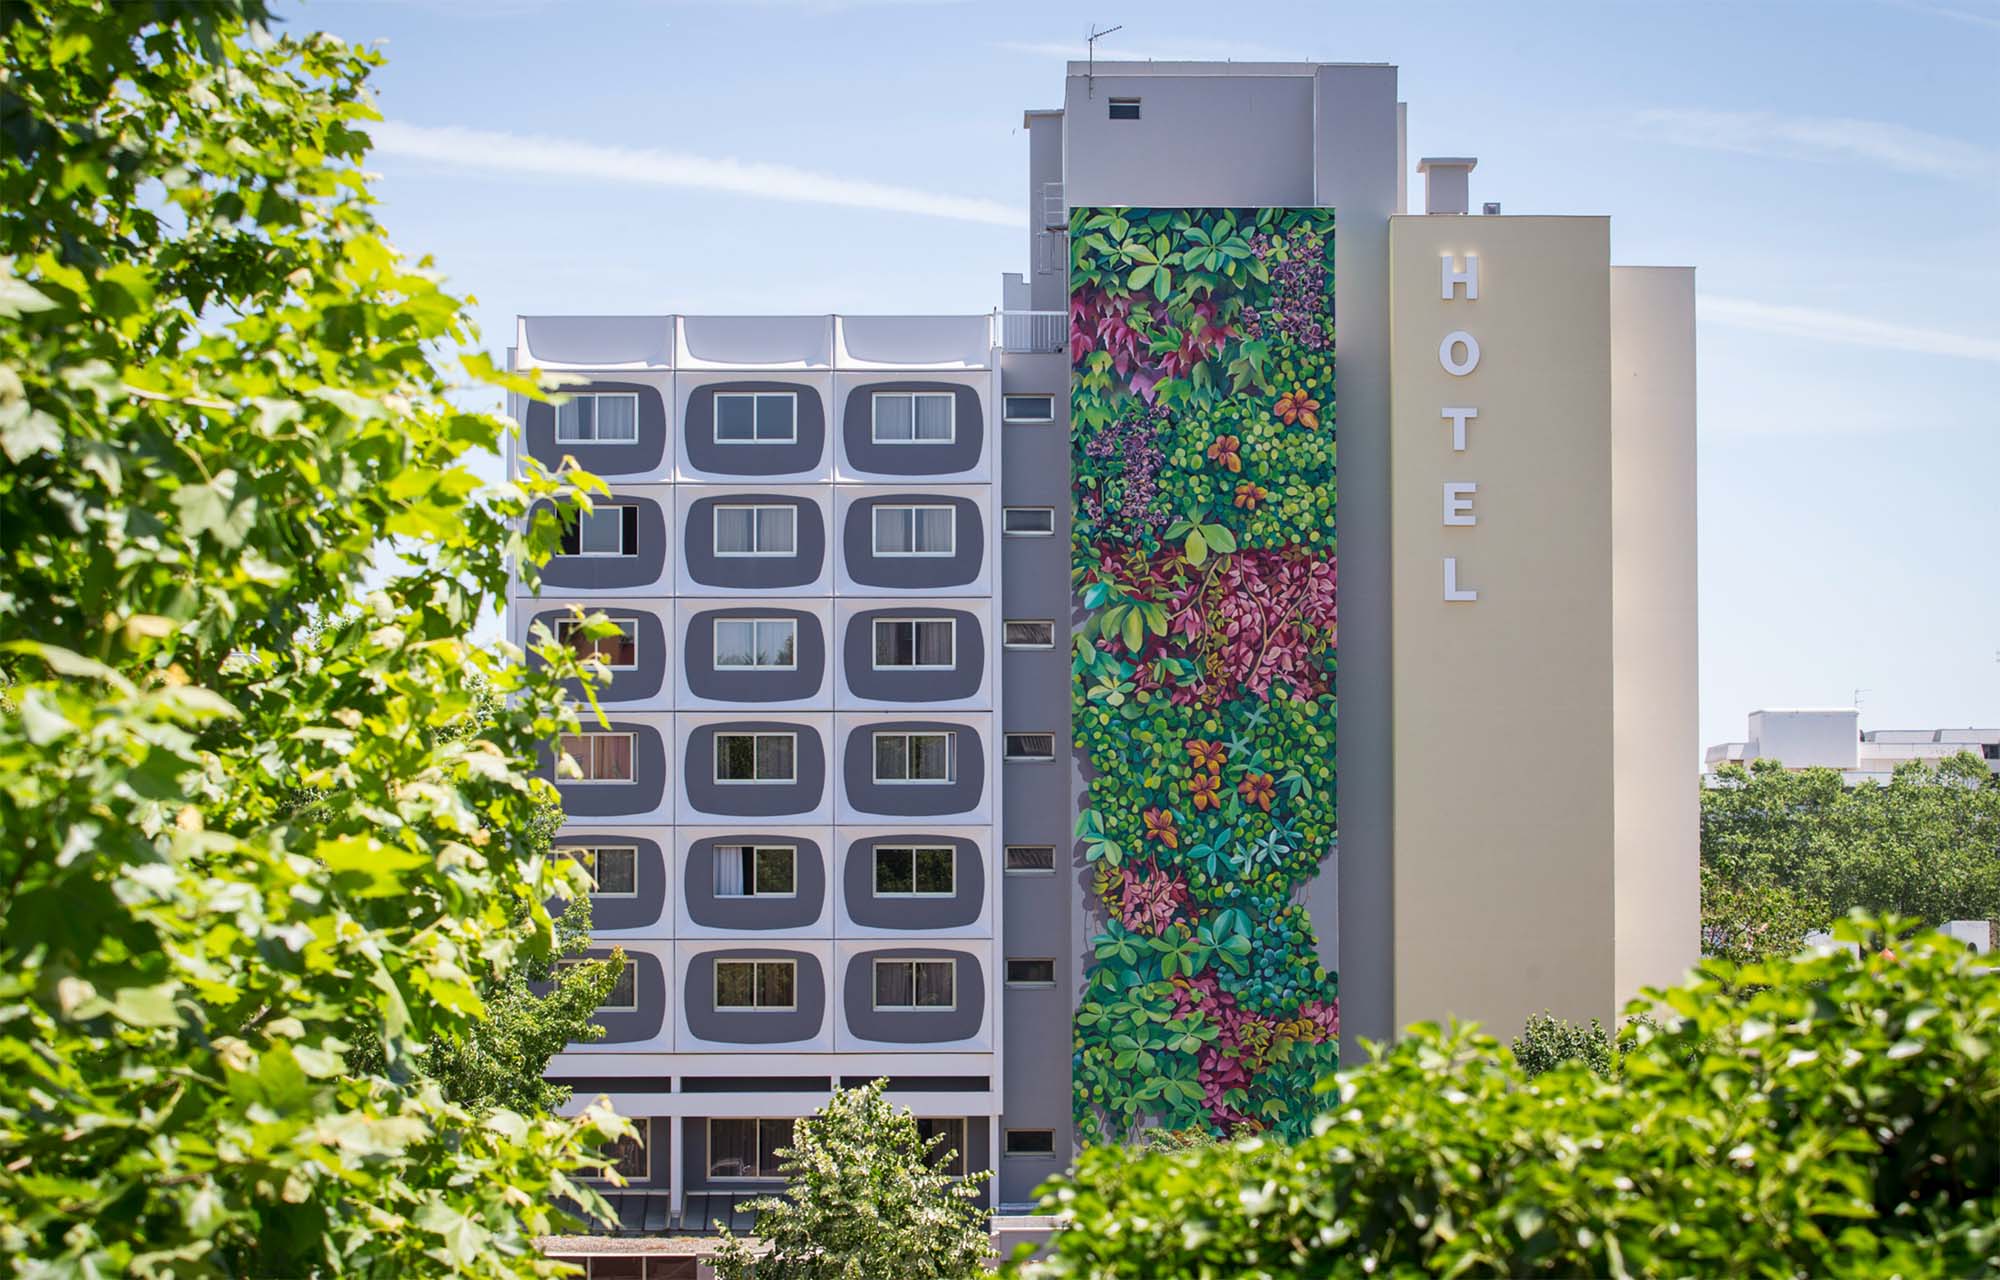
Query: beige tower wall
{"x":1656,"y":740}
{"x":1504,"y":749}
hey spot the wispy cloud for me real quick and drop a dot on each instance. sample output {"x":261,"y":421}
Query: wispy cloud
{"x":1826,"y":139}
{"x":1207,"y":51}
{"x":1840,"y":327}
{"x":1991,"y":21}
{"x":490,"y":151}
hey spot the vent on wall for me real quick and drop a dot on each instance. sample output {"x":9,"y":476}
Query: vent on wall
{"x":1124,"y":108}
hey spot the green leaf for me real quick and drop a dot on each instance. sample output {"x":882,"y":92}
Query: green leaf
{"x":1196,"y":548}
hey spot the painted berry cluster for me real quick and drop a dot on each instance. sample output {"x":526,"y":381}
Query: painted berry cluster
{"x":1204,"y":564}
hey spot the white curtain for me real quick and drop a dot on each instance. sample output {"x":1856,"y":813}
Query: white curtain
{"x":618,"y":418}
{"x":729,"y":863}
{"x":934,"y":643}
{"x":893,"y":417}
{"x":934,"y":529}
{"x":735,"y":529}
{"x":934,"y":417}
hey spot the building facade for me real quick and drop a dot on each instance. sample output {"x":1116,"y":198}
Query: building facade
{"x":1832,"y":738}
{"x":982,"y":716}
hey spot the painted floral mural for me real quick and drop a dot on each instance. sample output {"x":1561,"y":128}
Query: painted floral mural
{"x":1204,"y":565}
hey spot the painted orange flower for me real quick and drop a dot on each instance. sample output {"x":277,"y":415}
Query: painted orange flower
{"x":1258,"y":789}
{"x":1223,"y":453}
{"x":1248,"y":495}
{"x":1203,"y":786}
{"x":1203,"y":754}
{"x":1160,"y":826}
{"x":1296,"y":407}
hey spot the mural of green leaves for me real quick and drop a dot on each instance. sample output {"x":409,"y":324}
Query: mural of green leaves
{"x":1204,"y":563}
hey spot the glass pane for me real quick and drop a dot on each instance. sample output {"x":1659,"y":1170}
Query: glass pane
{"x":934,"y":984}
{"x":774,"y":417}
{"x":1030,"y":408}
{"x":892,"y":757}
{"x":735,"y":530}
{"x":771,"y":1135}
{"x":775,"y":870}
{"x":603,"y":532}
{"x":735,"y":642}
{"x":577,"y":748}
{"x":934,"y":643}
{"x":614,"y":757}
{"x":1031,"y":857}
{"x":934,"y":870}
{"x":628,"y":1155}
{"x":892,"y":530}
{"x":774,"y":758}
{"x":568,"y":425}
{"x":617,"y":871}
{"x":618,"y":418}
{"x":930,"y":757}
{"x":774,"y":986}
{"x":735,"y":984}
{"x":1029,"y":633}
{"x":895,"y":985}
{"x":892,"y":872}
{"x":621,"y":650}
{"x":934,"y":417}
{"x":732,"y":1148}
{"x":731,"y":862}
{"x":894,"y":644}
{"x":948,"y":1156}
{"x":776,"y":531}
{"x":934,"y":529}
{"x":894,"y":417}
{"x":735,"y":418}
{"x":625,"y":991}
{"x":735,"y":757}
{"x":777,"y":643}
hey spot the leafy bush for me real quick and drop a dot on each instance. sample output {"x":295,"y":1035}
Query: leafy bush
{"x":1828,"y":1115}
{"x":1548,"y":1042}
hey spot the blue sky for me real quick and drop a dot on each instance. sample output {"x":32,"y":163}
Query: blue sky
{"x":1832,"y":168}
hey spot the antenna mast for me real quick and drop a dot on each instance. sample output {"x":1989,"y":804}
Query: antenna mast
{"x":1090,"y":79}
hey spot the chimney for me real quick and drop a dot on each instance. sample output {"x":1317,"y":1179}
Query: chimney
{"x":1447,"y":181}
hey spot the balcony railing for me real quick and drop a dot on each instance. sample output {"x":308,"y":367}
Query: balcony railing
{"x":1025,"y":331}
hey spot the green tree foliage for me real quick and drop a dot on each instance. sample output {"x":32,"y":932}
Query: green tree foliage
{"x":233,"y":865}
{"x":864,"y":1200}
{"x":1829,"y":1115}
{"x":1786,"y":853}
{"x":1547,"y":1042}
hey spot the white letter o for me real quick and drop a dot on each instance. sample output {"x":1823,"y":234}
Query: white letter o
{"x":1454,"y":367}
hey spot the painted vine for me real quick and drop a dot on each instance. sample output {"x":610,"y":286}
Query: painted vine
{"x":1204,"y":564}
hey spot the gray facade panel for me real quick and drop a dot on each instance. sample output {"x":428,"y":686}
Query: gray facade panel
{"x":1200,"y":140}
{"x":644,"y":681}
{"x":644,"y":907}
{"x":914,"y":799}
{"x":762,"y":911}
{"x":754,"y":1026}
{"x":763,"y":685}
{"x":615,"y":573}
{"x":913,"y":573}
{"x":857,"y":656}
{"x":913,"y":1026}
{"x":707,"y":453}
{"x":616,"y":799}
{"x":931,"y":459}
{"x":649,"y":1019}
{"x":857,"y":880}
{"x":642,"y":456}
{"x":755,"y":799}
{"x":749,"y":573}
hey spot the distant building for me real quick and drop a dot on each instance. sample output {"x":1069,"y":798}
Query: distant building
{"x":1832,"y":738}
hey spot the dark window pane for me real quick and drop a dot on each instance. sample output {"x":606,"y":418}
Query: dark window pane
{"x":625,"y":991}
{"x":735,"y":418}
{"x":1031,"y":857}
{"x":934,"y":985}
{"x":617,"y":871}
{"x":774,"y":758}
{"x":736,"y":757}
{"x":934,"y":870}
{"x":732,"y":1148}
{"x":735,"y":984}
{"x":892,"y":757}
{"x":930,"y":757}
{"x":771,"y":1136}
{"x":775,"y":416}
{"x":1030,"y":1142}
{"x":893,"y":872}
{"x":775,"y":871}
{"x":1031,"y":972}
{"x":895,"y":984}
{"x":895,"y":644}
{"x":776,"y":985}
{"x":934,"y":642}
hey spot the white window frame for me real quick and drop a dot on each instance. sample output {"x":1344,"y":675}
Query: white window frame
{"x":715,"y":994}
{"x":875,"y":532}
{"x":874,"y":987}
{"x":1007,"y":869}
{"x":1007,"y":754}
{"x":760,"y":1122}
{"x":715,"y":530}
{"x":716,"y":747}
{"x":756,"y":849}
{"x":1027,"y":395}
{"x":596,"y":851}
{"x":601,"y":508}
{"x":593,"y":735}
{"x":875,"y":869}
{"x":1009,"y":532}
{"x":633,"y":396}
{"x":567,"y":627}
{"x":875,"y":416}
{"x":715,"y":417}
{"x":875,"y":647}
{"x":715,"y":645}
{"x":1005,"y":643}
{"x":1028,"y":984}
{"x":950,"y":757}
{"x":1134,"y":103}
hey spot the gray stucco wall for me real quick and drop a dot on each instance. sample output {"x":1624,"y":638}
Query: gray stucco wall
{"x":761,"y":799}
{"x":761,"y":459}
{"x":857,"y":882}
{"x":751,"y":572}
{"x":761,"y":911}
{"x":614,"y":573}
{"x":857,"y":433}
{"x":649,"y":903}
{"x":907,"y":573}
{"x":644,"y":681}
{"x":914,"y":799}
{"x":754,"y":1026}
{"x":1238,"y":139}
{"x":642,"y":456}
{"x":913,"y":1026}
{"x":616,"y":799}
{"x":962,"y":681}
{"x":704,"y":681}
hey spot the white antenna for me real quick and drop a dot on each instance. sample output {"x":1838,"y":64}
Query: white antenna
{"x":1857,"y":697}
{"x":1090,"y":80}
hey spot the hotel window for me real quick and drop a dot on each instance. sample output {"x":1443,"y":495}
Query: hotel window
{"x":913,"y":757}
{"x":1030,"y":747}
{"x":756,"y":757}
{"x":624,"y":994}
{"x":756,"y":871}
{"x":599,"y":757}
{"x":1030,"y":1142}
{"x":602,"y":531}
{"x":915,"y":644}
{"x":613,"y":869}
{"x":924,"y":871}
{"x":756,"y":531}
{"x":1028,"y":408}
{"x":747,"y":1148}
{"x":756,"y":417}
{"x":756,"y":984}
{"x":761,"y":644}
{"x":915,"y":531}
{"x":629,"y":1154}
{"x":1028,"y":522}
{"x":601,"y":417}
{"x":1125,"y":108}
{"x":915,"y":984}
{"x":947,"y":1157}
{"x":1031,"y":973}
{"x":1024,"y":634}
{"x":914,"y":417}
{"x":620,"y":652}
{"x":1031,"y":860}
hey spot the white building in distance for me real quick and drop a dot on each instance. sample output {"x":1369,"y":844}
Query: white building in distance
{"x":1832,"y":738}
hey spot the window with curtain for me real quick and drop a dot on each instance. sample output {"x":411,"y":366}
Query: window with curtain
{"x":915,"y":531}
{"x":756,"y":530}
{"x":599,"y":757}
{"x":605,"y":417}
{"x":915,"y":984}
{"x":602,"y":531}
{"x":747,"y":1148}
{"x":753,"y":871}
{"x":914,"y":642}
{"x":914,"y":417}
{"x":756,"y":417}
{"x":756,"y":643}
{"x":620,"y":652}
{"x":613,"y":869}
{"x":756,"y":757}
{"x":913,"y":757}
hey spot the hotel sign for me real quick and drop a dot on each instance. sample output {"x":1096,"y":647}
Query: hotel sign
{"x":1459,"y":354}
